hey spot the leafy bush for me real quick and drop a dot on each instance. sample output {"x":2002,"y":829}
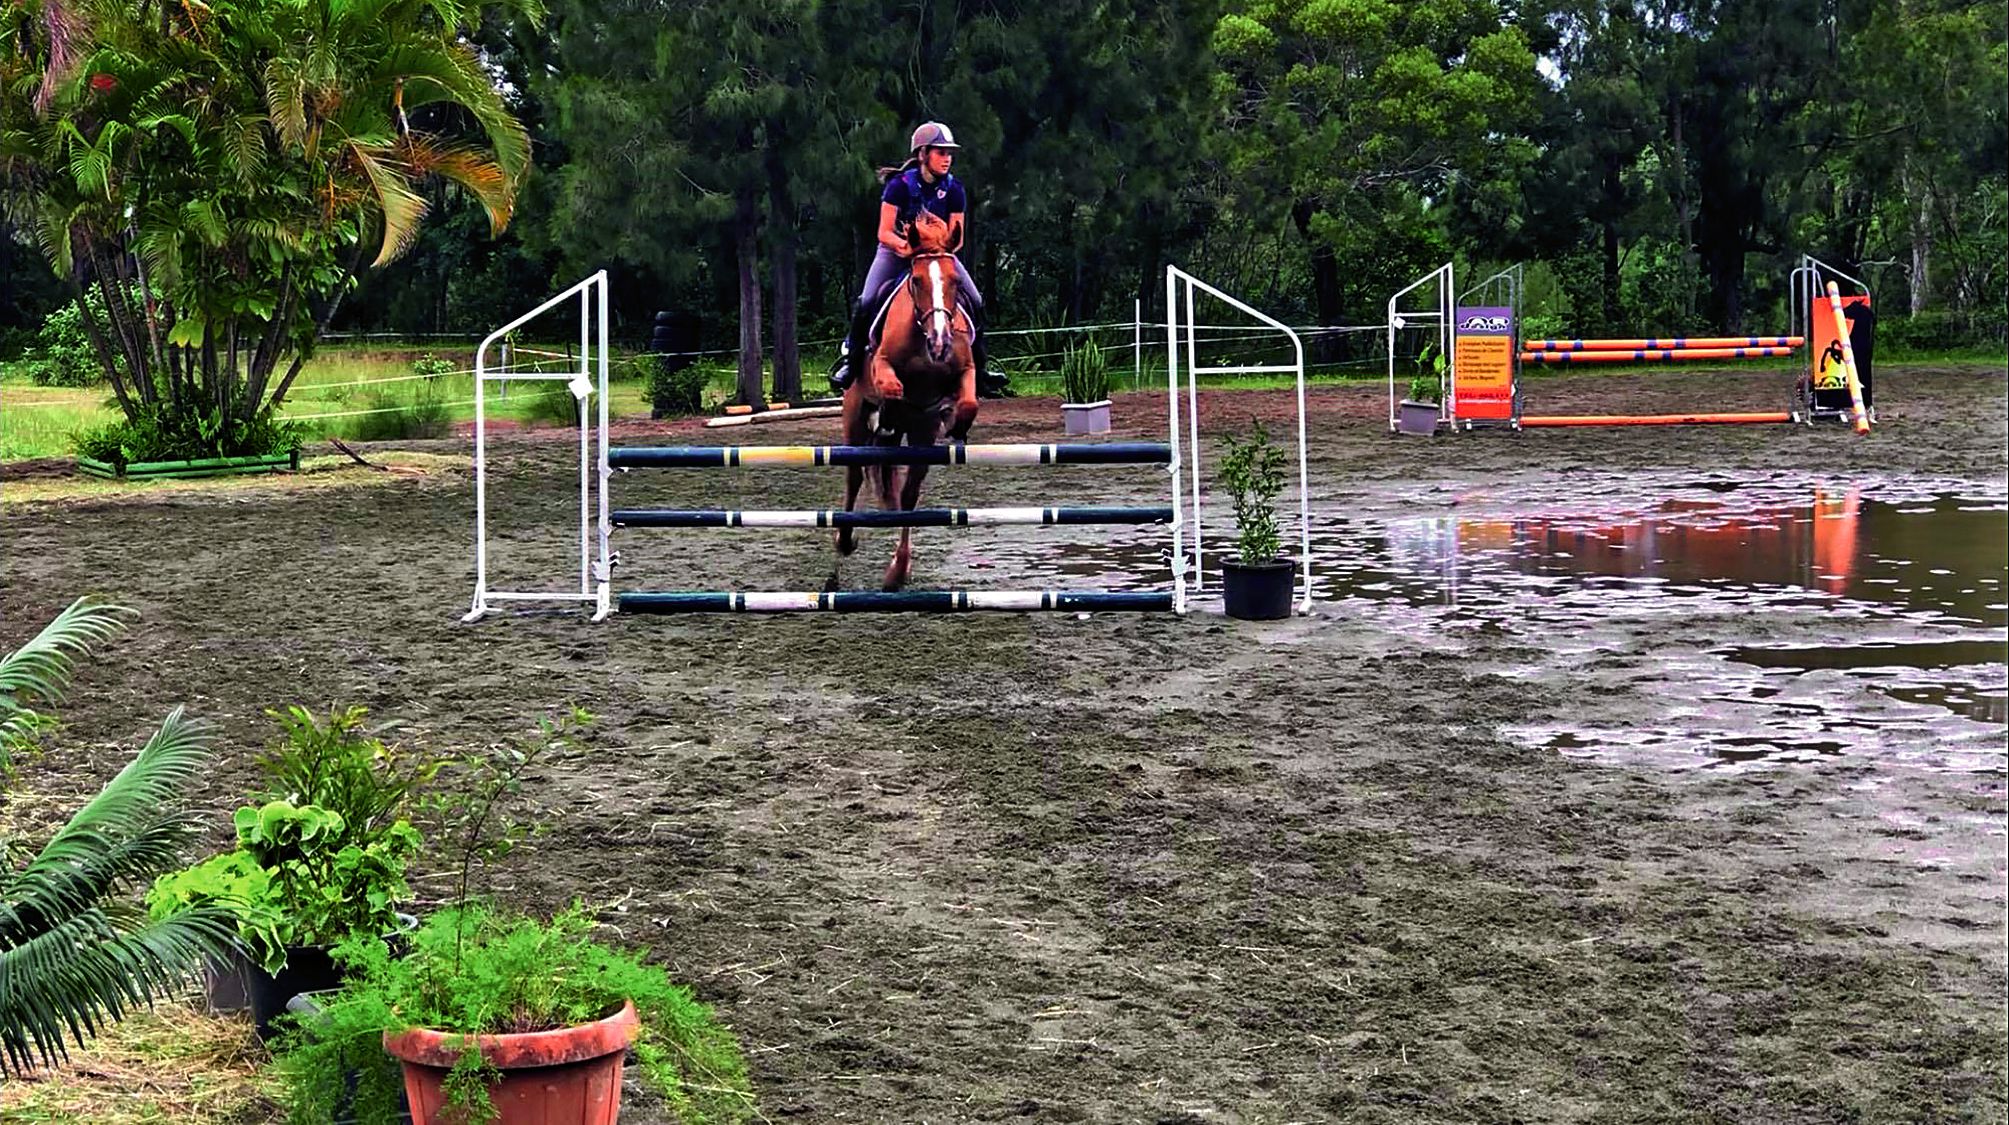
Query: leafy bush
{"x":429,"y":364}
{"x":161,"y":432}
{"x":548,"y":402}
{"x":472,"y":972}
{"x":1253,"y":471}
{"x":1942,"y":331}
{"x":392,"y":418}
{"x":62,"y":355}
{"x":1084,"y":372}
{"x":675,"y":392}
{"x":322,"y":851}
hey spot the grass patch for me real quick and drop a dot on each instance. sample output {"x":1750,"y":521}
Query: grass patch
{"x":170,"y":1064}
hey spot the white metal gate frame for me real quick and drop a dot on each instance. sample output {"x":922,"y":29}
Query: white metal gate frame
{"x":1447,"y":338}
{"x":588,"y":381}
{"x":1179,"y":283}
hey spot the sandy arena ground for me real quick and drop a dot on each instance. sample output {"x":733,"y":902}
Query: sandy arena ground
{"x":1145,"y":869}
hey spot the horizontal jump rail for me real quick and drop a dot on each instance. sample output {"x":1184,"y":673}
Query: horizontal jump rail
{"x":919,"y":517}
{"x":904,"y":601}
{"x":1672,"y":355}
{"x":1532,"y":420}
{"x":741,"y":456}
{"x":1652,"y":344}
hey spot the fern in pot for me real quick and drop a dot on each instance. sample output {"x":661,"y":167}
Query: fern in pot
{"x":1084,"y":376}
{"x":499,"y":1017}
{"x":1256,"y":583}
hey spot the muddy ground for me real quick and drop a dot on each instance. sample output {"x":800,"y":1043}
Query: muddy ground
{"x":1138,"y":868}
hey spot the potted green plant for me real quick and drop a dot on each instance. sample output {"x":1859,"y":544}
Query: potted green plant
{"x":511,"y":1020}
{"x":1084,"y":377}
{"x":1421,"y":411}
{"x":321,"y":855}
{"x":493,"y":1016}
{"x":1256,"y":584}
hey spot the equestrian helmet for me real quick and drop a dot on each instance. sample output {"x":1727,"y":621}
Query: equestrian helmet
{"x":933,"y":135}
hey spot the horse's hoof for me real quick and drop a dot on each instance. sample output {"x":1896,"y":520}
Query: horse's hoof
{"x":896,"y":578}
{"x":830,"y":583}
{"x":845,"y":543}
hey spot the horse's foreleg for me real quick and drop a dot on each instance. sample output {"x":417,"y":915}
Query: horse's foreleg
{"x":966,"y":404}
{"x":886,"y":383}
{"x":903,"y":555}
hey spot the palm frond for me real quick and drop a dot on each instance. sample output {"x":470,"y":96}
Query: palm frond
{"x":453,"y":72}
{"x":38,"y":671}
{"x":286,"y":100}
{"x":401,"y":206}
{"x":69,"y":980}
{"x":125,"y":832}
{"x":473,"y":171}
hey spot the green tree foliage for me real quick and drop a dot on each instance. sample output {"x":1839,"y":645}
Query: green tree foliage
{"x":218,"y":174}
{"x":1356,"y":121}
{"x":1666,"y":160}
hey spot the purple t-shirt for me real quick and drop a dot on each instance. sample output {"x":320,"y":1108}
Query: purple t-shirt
{"x":909,"y":193}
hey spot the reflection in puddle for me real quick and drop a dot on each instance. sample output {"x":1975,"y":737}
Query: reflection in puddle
{"x":1920,"y":576}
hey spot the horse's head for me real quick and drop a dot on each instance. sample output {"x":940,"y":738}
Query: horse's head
{"x":933,"y":288}
{"x":931,"y":233}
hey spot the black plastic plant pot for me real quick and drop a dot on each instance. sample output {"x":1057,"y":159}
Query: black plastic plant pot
{"x":1259,"y":592}
{"x":309,"y":968}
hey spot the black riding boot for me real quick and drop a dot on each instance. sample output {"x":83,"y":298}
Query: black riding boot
{"x":853,"y":357}
{"x":988,"y":385}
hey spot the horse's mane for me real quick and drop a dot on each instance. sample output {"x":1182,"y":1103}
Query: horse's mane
{"x":931,"y":234}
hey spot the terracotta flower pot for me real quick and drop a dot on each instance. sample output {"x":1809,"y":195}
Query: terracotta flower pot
{"x":571,"y":1075}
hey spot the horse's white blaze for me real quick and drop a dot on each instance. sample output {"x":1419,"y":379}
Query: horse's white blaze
{"x":939,"y":326}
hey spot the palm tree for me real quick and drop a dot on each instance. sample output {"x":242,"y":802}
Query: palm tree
{"x":220,"y":173}
{"x":74,"y":954}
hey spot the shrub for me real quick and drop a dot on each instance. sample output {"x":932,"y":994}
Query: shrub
{"x":675,"y":390}
{"x":391,"y":418}
{"x":548,"y":402}
{"x":162,"y":433}
{"x":62,"y":355}
{"x":1253,"y":471}
{"x":322,"y":851}
{"x":1084,"y":372}
{"x":429,"y":364}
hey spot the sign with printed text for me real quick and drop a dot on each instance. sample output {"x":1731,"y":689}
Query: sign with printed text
{"x":1484,"y":380}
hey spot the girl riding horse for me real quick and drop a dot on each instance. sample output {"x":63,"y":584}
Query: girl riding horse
{"x":922,"y":184}
{"x":922,"y":380}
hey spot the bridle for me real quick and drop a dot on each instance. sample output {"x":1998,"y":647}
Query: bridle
{"x":942,"y":310}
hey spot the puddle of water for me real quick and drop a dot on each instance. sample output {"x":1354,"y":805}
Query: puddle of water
{"x":1874,"y":654}
{"x":1927,"y":563}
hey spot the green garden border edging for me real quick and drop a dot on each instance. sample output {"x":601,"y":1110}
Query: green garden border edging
{"x":209,"y":467}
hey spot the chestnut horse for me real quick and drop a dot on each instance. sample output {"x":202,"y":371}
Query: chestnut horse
{"x":919,"y":382}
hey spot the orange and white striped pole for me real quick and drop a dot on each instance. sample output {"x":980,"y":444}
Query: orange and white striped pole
{"x":1848,"y":359}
